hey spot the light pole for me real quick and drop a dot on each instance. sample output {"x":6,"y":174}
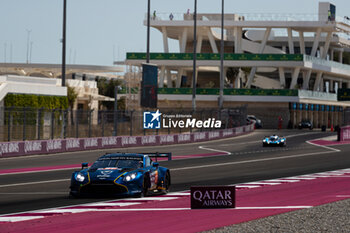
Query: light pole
{"x":148,"y":29}
{"x":28,"y":35}
{"x":221,"y":97}
{"x":194,"y":56}
{"x":64,"y":44}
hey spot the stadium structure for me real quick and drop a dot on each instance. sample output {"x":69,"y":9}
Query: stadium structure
{"x":278,"y":65}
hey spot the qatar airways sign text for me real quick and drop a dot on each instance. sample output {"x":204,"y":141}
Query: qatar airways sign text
{"x":212,"y":197}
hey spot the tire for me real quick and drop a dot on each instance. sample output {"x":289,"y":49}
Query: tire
{"x":167,"y":182}
{"x":145,"y":184}
{"x":73,"y":195}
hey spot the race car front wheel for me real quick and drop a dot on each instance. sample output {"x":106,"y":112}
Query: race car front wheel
{"x":145,"y":186}
{"x":167,"y":182}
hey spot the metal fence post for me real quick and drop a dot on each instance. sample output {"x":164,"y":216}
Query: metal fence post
{"x":169,"y":126}
{"x":192,"y":112}
{"x":202,"y":119}
{"x":76,"y":123}
{"x":52,"y":123}
{"x":9,"y":126}
{"x":64,"y":125}
{"x":39,"y":122}
{"x":24,"y":123}
{"x":102,"y":124}
{"x":115,"y":120}
{"x":131,"y":121}
{"x":90,"y":112}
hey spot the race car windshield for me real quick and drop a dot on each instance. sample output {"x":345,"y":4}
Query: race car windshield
{"x":119,"y":163}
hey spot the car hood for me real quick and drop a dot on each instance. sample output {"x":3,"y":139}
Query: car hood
{"x":107,"y":173}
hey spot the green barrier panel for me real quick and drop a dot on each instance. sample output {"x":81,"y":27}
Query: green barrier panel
{"x":216,"y":56}
{"x":216,"y":91}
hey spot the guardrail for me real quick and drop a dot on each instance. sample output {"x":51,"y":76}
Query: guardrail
{"x":20,"y":148}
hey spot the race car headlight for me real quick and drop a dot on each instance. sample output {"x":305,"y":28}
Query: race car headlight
{"x":80,"y":177}
{"x":282,"y":140}
{"x":130,"y":177}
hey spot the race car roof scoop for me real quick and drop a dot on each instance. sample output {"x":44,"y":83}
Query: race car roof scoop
{"x":84,"y":165}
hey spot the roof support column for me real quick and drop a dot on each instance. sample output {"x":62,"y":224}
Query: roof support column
{"x":261,"y":50}
{"x":331,"y":85}
{"x":341,"y":56}
{"x":282,"y":77}
{"x":161,"y":76}
{"x":348,"y":84}
{"x":326,"y":46}
{"x":306,"y":79}
{"x":165,"y":40}
{"x":168,"y":78}
{"x":332,"y":55}
{"x":317,"y":86}
{"x":199,"y":43}
{"x":313,"y":53}
{"x":183,"y":41}
{"x":301,"y":42}
{"x":318,"y":81}
{"x":238,"y":39}
{"x":196,"y":77}
{"x":290,"y":41}
{"x":316,"y":42}
{"x":212,"y":42}
{"x":295,"y":78}
{"x":179,"y":78}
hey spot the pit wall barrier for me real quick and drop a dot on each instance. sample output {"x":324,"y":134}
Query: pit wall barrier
{"x":21,"y":148}
{"x":344,"y":133}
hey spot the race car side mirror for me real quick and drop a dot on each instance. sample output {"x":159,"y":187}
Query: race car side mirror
{"x":155,"y":164}
{"x":84,"y":165}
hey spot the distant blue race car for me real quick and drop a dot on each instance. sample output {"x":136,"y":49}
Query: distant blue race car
{"x":274,"y":140}
{"x":122,"y":174}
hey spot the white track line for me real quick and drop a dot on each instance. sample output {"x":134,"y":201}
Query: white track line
{"x":30,"y":183}
{"x":112,"y":204}
{"x":283,"y":180}
{"x":38,"y":171}
{"x":262,"y":183}
{"x":325,"y":147}
{"x":247,"y":186}
{"x":273,"y":207}
{"x":206,"y":148}
{"x":253,"y":160}
{"x":34,"y":193}
{"x":19,"y":218}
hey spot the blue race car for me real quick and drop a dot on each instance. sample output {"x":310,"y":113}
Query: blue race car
{"x":274,"y":140}
{"x":122,"y":174}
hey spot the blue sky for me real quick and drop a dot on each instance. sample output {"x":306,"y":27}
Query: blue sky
{"x":100,"y":31}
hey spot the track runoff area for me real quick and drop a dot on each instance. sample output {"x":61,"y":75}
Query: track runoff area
{"x":267,"y":180}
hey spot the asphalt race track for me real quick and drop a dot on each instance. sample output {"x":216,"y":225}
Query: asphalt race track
{"x":41,"y":182}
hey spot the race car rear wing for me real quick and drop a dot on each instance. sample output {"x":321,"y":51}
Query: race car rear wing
{"x":158,"y":155}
